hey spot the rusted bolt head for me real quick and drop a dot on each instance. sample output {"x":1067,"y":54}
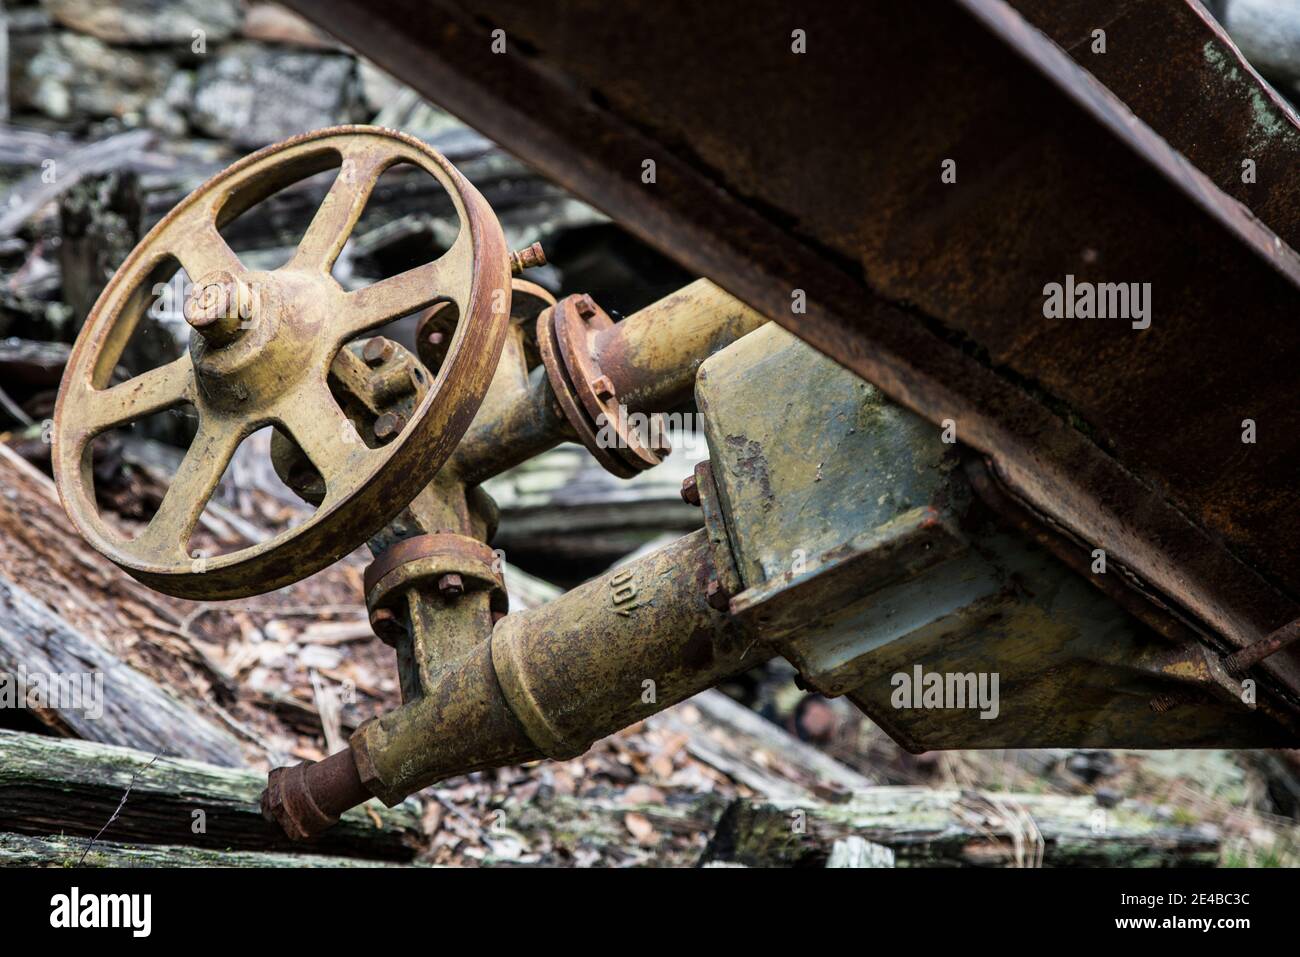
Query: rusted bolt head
{"x":377,"y":351}
{"x":718,"y":597}
{"x":386,"y":625}
{"x":451,"y":585}
{"x":603,"y":388}
{"x":586,"y":306}
{"x":527,"y":259}
{"x":388,"y":425}
{"x":217,"y":306}
{"x":691,"y":491}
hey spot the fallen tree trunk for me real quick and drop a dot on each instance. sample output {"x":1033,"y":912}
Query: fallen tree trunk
{"x":76,"y":687}
{"x":928,"y":828}
{"x":18,"y":850}
{"x":109,"y":612}
{"x":753,"y":751}
{"x":48,"y":785}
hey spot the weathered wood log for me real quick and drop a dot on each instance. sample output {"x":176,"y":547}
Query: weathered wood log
{"x":562,"y":511}
{"x":941,"y":828}
{"x":673,"y":833}
{"x":48,"y":785}
{"x":74,"y":613}
{"x":40,"y":188}
{"x":754,"y":752}
{"x":74,"y":685}
{"x":40,"y":548}
{"x":100,"y":219}
{"x":19,"y":850}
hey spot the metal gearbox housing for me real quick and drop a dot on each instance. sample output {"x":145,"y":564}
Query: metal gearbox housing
{"x":864,"y":551}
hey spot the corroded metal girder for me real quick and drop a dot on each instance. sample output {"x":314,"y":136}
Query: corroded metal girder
{"x":828,"y":183}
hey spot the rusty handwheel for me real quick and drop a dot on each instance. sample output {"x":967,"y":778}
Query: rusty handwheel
{"x":259,"y":355}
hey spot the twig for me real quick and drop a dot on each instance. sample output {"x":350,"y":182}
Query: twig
{"x":121,"y":804}
{"x":14,"y":410}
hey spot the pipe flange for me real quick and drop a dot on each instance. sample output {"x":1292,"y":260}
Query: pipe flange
{"x":566,"y":339}
{"x":428,"y":559}
{"x":577,"y":321}
{"x":567,"y":398}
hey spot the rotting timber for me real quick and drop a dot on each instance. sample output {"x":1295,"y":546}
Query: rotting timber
{"x":841,"y":530}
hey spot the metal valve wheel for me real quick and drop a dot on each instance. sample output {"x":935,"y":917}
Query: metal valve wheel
{"x":259,"y":354}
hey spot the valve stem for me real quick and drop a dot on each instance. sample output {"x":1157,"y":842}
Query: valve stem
{"x":526,"y":259}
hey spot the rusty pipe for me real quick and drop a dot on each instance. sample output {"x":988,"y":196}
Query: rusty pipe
{"x":308,"y":798}
{"x":650,"y":358}
{"x":554,"y":679}
{"x":525,"y":424}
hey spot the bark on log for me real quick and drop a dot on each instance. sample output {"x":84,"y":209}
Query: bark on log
{"x":49,"y":786}
{"x":18,"y":850}
{"x":75,"y":612}
{"x":754,"y":752}
{"x":928,"y":828}
{"x":568,"y":828}
{"x":76,"y":687}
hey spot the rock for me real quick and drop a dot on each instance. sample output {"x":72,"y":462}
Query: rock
{"x":272,"y":23}
{"x":1090,"y":764}
{"x":148,"y":22}
{"x":1107,"y":797}
{"x":378,"y":86}
{"x":168,"y":113}
{"x":253,"y":95}
{"x":67,"y":76}
{"x":1268,"y":32}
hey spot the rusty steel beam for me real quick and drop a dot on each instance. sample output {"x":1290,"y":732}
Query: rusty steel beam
{"x":1176,"y":68}
{"x":778,"y":172}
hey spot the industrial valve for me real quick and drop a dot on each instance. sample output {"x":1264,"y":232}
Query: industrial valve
{"x":262,"y":350}
{"x":838,"y":530}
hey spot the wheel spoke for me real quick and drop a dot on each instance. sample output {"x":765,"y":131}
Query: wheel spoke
{"x":326,"y":436}
{"x":405,"y":293}
{"x":338,"y":213}
{"x":204,"y":251}
{"x":143,"y":395}
{"x":200,"y":470}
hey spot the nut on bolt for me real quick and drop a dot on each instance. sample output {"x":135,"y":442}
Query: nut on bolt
{"x":603,"y":388}
{"x":527,"y":258}
{"x":691,"y":491}
{"x":386,"y":625}
{"x":377,"y":351}
{"x":388,"y":425}
{"x":451,"y":585}
{"x":586,"y":306}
